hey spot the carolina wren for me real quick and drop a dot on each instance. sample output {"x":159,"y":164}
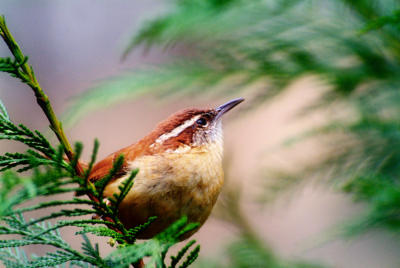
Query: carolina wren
{"x":180,"y":170}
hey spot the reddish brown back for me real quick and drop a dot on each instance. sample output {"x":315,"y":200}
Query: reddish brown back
{"x":143,"y":147}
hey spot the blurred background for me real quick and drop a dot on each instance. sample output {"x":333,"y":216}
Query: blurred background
{"x":311,"y":157}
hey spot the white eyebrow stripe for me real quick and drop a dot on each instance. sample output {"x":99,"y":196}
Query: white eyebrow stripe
{"x":178,"y":130}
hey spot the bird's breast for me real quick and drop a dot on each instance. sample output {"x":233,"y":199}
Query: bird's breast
{"x":170,"y":185}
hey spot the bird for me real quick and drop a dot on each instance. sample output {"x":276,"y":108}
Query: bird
{"x":180,"y":171}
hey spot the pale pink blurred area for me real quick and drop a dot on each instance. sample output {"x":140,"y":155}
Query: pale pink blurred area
{"x":73,"y":45}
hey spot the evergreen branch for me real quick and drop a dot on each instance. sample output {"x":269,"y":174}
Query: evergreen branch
{"x":49,"y":235}
{"x":187,"y":228}
{"x":102,"y":183}
{"x":8,"y":183}
{"x":3,"y":112}
{"x":64,"y":213}
{"x":25,"y":72}
{"x":137,"y":229}
{"x":15,"y":189}
{"x":52,"y":259}
{"x":128,"y":237}
{"x":92,"y":160}
{"x":21,"y":133}
{"x":88,"y":248}
{"x":77,"y":223}
{"x":101,"y":231}
{"x":54,"y":203}
{"x":96,"y":193}
{"x":23,"y":161}
{"x":33,"y":233}
{"x":75,"y":160}
{"x":124,"y":189}
{"x":13,"y":257}
{"x":191,"y":257}
{"x":155,"y":248}
{"x":181,"y":253}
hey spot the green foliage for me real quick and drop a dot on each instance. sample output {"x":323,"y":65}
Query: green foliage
{"x":41,"y":152}
{"x":391,"y":20}
{"x":123,"y":191}
{"x":245,"y":252}
{"x":182,"y":252}
{"x":191,"y":257}
{"x":49,"y":175}
{"x":15,"y":189}
{"x":384,"y":198}
{"x":101,"y":184}
{"x":44,"y":234}
{"x":157,"y":248}
{"x":249,"y":41}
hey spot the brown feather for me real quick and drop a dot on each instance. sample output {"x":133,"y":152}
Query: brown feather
{"x":143,"y":147}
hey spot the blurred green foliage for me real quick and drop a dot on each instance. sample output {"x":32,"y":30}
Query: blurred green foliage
{"x":247,"y":41}
{"x":351,"y":45}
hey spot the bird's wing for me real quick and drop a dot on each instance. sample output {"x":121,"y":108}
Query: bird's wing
{"x":103,"y":167}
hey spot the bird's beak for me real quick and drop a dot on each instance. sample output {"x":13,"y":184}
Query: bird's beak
{"x":221,"y":110}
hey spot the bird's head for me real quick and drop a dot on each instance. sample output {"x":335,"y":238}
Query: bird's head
{"x":191,"y":128}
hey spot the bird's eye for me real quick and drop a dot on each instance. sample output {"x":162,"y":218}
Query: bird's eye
{"x":201,"y":122}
